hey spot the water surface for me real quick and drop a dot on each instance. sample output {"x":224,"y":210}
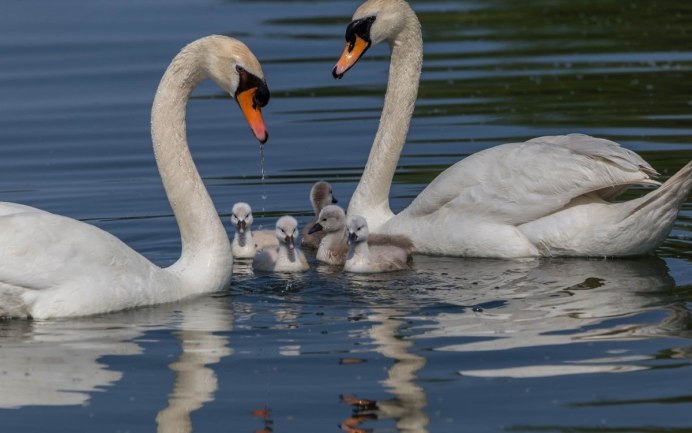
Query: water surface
{"x":561,"y":345}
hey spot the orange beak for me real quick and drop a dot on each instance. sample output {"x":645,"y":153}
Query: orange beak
{"x":353,"y":51}
{"x":253,"y":114}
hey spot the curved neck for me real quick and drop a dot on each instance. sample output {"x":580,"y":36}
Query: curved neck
{"x":371,"y":197}
{"x":206,"y":250}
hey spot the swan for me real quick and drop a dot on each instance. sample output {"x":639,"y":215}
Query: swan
{"x":383,"y":257}
{"x":334,"y":248}
{"x":287,"y":257}
{"x":548,"y":196}
{"x":55,"y":266}
{"x":321,"y":195}
{"x":334,"y":244}
{"x":246,"y":242}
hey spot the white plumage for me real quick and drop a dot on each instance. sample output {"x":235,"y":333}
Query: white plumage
{"x":549,"y":196}
{"x":52,"y":266}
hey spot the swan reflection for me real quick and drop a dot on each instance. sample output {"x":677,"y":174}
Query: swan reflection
{"x":477,"y":306}
{"x":56,"y":363}
{"x":553,"y":302}
{"x":407,"y":406}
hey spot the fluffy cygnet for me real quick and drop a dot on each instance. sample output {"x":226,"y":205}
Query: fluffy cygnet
{"x":246,"y":242}
{"x":320,"y":196}
{"x":385,"y":256}
{"x":333,"y":248}
{"x":334,"y":245}
{"x":286,"y":257}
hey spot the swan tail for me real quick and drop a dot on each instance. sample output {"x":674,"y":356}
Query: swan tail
{"x":648,"y":220}
{"x":668,"y":197}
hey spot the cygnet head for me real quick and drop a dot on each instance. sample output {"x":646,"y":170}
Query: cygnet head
{"x":373,"y":22}
{"x":232,"y":66}
{"x":241,"y":216}
{"x":321,"y":195}
{"x":332,"y":219}
{"x":287,"y":231}
{"x":357,"y":229}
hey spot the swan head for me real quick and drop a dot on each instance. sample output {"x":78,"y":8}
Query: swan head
{"x":357,"y":229}
{"x":234,"y":68}
{"x":241,"y":216}
{"x":287,"y":231}
{"x":321,"y":195}
{"x":373,"y":22}
{"x":332,"y":219}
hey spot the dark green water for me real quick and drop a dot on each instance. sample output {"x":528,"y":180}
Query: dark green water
{"x":455,"y":345}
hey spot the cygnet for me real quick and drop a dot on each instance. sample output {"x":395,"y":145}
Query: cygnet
{"x":320,"y":196}
{"x":246,"y":243}
{"x":287,"y":257}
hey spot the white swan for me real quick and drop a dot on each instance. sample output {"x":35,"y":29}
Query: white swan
{"x":548,"y":196}
{"x":321,"y":195}
{"x":362,"y":257}
{"x":287,"y":257}
{"x":53,"y":266}
{"x":246,"y":242}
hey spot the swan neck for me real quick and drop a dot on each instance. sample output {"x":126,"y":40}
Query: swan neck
{"x":205,"y":244}
{"x":372,"y":193}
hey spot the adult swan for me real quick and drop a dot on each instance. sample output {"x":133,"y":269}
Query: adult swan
{"x":548,"y":196}
{"x":54,"y":266}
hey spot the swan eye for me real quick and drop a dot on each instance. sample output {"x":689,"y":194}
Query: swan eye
{"x":247,"y":81}
{"x":360,"y":28}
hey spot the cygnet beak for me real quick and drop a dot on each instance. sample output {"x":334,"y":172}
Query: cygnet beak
{"x":290,"y":242}
{"x":316,"y":228}
{"x":352,"y":237}
{"x":241,"y":226}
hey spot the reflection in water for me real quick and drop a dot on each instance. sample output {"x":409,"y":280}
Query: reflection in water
{"x":410,"y":399}
{"x":486,"y":307}
{"x":556,"y":302}
{"x":195,"y":383}
{"x":57,"y":362}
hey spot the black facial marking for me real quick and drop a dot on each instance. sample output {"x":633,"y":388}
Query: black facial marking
{"x":360,"y":28}
{"x":249,"y":81}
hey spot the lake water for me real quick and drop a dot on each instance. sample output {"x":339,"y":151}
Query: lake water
{"x":456,"y":345}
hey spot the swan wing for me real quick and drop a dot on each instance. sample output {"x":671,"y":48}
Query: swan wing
{"x":519,"y":182}
{"x":69,"y":265}
{"x":264,"y":239}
